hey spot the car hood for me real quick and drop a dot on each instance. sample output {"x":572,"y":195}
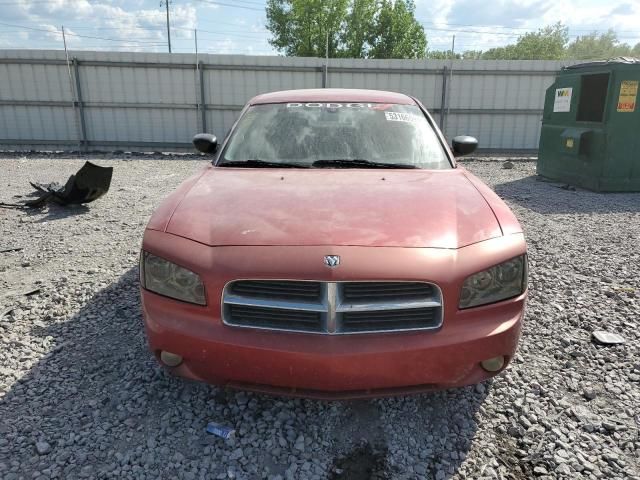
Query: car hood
{"x":358,"y":207}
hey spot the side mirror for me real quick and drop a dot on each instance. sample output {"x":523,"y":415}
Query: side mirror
{"x":205,"y":143}
{"x":463,"y":145}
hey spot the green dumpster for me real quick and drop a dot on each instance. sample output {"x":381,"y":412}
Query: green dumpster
{"x":591,"y":126}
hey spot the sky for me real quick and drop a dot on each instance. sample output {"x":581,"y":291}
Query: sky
{"x":238,"y":26}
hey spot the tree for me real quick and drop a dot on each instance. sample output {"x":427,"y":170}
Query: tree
{"x":599,"y":47}
{"x":397,"y":33}
{"x":356,"y":28}
{"x":300,"y":27}
{"x":359,"y":22}
{"x":472,"y":54}
{"x":547,"y":43}
{"x":446,"y":55}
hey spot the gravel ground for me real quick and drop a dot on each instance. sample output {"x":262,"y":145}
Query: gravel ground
{"x":81,"y":397}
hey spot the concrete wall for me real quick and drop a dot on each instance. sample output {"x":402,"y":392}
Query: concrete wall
{"x":157,"y":101}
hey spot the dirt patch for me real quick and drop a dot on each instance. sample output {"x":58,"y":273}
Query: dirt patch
{"x":364,"y":462}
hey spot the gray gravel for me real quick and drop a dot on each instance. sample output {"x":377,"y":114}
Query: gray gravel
{"x":81,"y":397}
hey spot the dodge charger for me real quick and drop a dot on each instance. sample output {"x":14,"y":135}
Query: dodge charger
{"x":333,"y":248}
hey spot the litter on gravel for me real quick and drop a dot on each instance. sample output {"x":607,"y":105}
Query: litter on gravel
{"x":607,"y":338}
{"x":220,"y":430}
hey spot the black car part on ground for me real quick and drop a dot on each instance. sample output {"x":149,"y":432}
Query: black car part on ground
{"x":88,"y":184}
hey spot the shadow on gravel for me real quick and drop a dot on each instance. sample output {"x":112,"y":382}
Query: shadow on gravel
{"x":549,"y":198}
{"x":57,"y":212}
{"x":362,"y":463}
{"x":99,"y":406}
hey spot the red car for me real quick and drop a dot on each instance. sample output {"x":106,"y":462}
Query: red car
{"x":334,"y":249}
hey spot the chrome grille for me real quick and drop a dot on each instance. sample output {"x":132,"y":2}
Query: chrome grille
{"x":332,"y":307}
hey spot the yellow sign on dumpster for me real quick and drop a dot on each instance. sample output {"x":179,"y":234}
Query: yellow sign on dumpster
{"x":628,"y":94}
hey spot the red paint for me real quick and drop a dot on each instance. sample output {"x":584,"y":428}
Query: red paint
{"x":376,"y":208}
{"x":415,"y":225}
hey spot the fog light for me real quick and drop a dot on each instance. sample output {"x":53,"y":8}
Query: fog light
{"x":170,"y":359}
{"x":493,"y":364}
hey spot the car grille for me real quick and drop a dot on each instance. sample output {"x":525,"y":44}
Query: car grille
{"x":332,"y":307}
{"x":284,"y":290}
{"x":275,"y":318}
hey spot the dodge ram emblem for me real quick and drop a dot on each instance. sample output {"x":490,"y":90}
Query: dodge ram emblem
{"x":332,"y":260}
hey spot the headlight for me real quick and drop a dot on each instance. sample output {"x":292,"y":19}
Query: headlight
{"x":166,"y":278}
{"x":506,"y":280}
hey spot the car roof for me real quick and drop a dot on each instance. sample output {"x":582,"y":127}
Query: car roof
{"x":333,"y":95}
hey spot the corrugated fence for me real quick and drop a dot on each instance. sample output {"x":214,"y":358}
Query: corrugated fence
{"x":157,"y":101}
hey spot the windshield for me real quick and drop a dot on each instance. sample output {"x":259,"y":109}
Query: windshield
{"x":356,"y":135}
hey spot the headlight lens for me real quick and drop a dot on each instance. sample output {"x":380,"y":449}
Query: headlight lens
{"x":166,"y":278}
{"x":506,"y":280}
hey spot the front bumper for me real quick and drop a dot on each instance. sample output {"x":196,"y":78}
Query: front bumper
{"x":333,"y":366}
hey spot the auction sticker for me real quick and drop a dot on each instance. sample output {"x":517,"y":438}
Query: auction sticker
{"x":628,"y":94}
{"x":401,"y":117}
{"x":562,"y":102}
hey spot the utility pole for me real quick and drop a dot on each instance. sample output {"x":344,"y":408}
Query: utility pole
{"x":326,"y":62}
{"x":74,"y":93}
{"x":453,"y":53}
{"x":327,"y":46}
{"x":166,"y":3}
{"x":66,"y":52}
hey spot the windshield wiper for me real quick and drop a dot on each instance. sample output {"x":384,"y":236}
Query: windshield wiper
{"x":358,"y":163}
{"x":260,"y":164}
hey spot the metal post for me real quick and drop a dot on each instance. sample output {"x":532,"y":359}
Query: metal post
{"x":443,"y":98}
{"x":453,"y":52}
{"x":83,"y":126}
{"x":203,"y":104}
{"x":196,"y":79}
{"x":74,"y":105}
{"x":325,"y":72}
{"x":166,"y":2}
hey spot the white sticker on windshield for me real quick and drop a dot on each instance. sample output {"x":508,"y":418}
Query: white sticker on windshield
{"x":330,"y":105}
{"x":401,"y":117}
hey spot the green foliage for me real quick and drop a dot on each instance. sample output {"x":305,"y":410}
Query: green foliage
{"x":547,"y":43}
{"x":444,"y":55}
{"x":356,"y":28}
{"x":389,"y":29}
{"x":356,"y":34}
{"x":552,"y":43}
{"x":396,"y":33}
{"x":472,"y":55}
{"x":300,"y":27}
{"x":600,"y":47}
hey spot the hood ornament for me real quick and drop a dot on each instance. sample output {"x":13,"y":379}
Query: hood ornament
{"x":332,"y":260}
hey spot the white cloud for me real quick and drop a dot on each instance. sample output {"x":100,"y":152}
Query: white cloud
{"x":126,"y":26}
{"x":476,"y":23}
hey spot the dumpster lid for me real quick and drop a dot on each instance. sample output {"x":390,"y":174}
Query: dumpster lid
{"x":600,"y":63}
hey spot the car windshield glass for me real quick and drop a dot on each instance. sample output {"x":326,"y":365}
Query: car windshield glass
{"x":330,"y":135}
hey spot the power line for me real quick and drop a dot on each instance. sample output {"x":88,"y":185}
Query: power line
{"x":250,"y":2}
{"x":211,"y":32}
{"x":524,"y":29}
{"x":239,"y":35}
{"x":212,"y":2}
{"x":58,"y":32}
